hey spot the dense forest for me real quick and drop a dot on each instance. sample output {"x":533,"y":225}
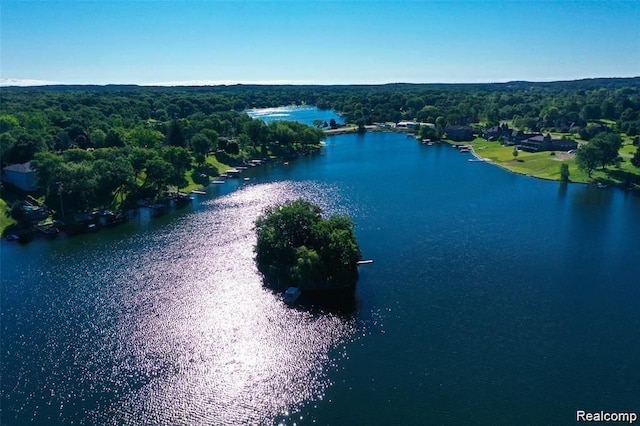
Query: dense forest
{"x":106,"y":146}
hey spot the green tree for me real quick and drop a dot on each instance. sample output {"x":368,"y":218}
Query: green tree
{"x":180,"y":160}
{"x":175,"y":135}
{"x":308,"y":267}
{"x":201,"y":145}
{"x":428,"y":132}
{"x":564,"y":172}
{"x":257,"y":131}
{"x":112,"y":178}
{"x":8,"y":122}
{"x":222,"y":143}
{"x":138,"y":158}
{"x":98,"y":136}
{"x":158,"y":173}
{"x":636,"y":158}
{"x":77,"y":155}
{"x":114,"y":139}
{"x":47,"y":167}
{"x":295,"y":245}
{"x":145,"y":137}
{"x":588,"y":157}
{"x":7,"y":141}
{"x":232,"y":147}
{"x":610,"y":144}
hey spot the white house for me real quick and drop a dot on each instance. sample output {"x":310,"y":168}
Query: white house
{"x":21,"y":176}
{"x":406,"y":125}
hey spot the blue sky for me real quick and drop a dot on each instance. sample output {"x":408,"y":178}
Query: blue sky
{"x":324,"y":42}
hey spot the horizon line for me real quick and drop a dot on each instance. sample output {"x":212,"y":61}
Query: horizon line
{"x":15,"y":82}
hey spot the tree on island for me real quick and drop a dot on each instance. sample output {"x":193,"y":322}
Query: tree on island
{"x":297,"y":246}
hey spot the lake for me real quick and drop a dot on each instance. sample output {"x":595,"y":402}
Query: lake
{"x":493,"y":298}
{"x":305,"y":114}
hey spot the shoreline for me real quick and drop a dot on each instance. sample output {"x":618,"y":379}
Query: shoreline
{"x":480,"y":158}
{"x":598,"y":181}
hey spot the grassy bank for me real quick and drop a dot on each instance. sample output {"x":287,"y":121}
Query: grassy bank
{"x":546,"y":165}
{"x":211,"y":161}
{"x":5,"y":218}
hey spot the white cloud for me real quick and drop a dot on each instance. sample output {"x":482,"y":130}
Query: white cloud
{"x":4,"y":82}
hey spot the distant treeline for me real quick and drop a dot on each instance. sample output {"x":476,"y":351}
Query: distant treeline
{"x":161,"y":131}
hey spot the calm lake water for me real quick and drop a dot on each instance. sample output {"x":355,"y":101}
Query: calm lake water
{"x":493,"y":299}
{"x":304,"y":114}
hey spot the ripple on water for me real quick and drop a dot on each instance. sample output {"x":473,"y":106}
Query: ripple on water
{"x":171,"y":325}
{"x":197,"y":336}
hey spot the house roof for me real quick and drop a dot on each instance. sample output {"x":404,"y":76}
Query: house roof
{"x":19,"y":168}
{"x":538,"y":138}
{"x":457,"y":127}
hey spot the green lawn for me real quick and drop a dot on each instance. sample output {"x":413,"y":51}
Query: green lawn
{"x":546,"y":166}
{"x":211,"y":160}
{"x":628,"y":149}
{"x":5,"y":219}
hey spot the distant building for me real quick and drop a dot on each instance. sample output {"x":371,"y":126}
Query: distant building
{"x":22,"y":176}
{"x":546,"y":143}
{"x":517,"y":136}
{"x":459,"y":133}
{"x":406,"y":125}
{"x":494,"y":133}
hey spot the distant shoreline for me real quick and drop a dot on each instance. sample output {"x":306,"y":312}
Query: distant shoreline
{"x":354,"y":129}
{"x":536,"y":172}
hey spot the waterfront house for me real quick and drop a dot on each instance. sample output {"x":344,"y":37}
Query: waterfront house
{"x":546,"y":143}
{"x":517,"y":136}
{"x":22,"y":176}
{"x":459,"y":133}
{"x":406,"y":125}
{"x":499,"y":132}
{"x":493,"y":133}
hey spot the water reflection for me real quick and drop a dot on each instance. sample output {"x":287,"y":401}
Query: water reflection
{"x":233,"y":351}
{"x":562,"y":190}
{"x":176,"y":327}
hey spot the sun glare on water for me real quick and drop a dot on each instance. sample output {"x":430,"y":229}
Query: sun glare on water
{"x":212,"y":343}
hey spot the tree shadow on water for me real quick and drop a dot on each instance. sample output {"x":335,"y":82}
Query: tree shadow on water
{"x":339,"y":301}
{"x":342,"y":302}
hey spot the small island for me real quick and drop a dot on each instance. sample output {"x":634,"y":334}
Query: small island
{"x":296,"y":246}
